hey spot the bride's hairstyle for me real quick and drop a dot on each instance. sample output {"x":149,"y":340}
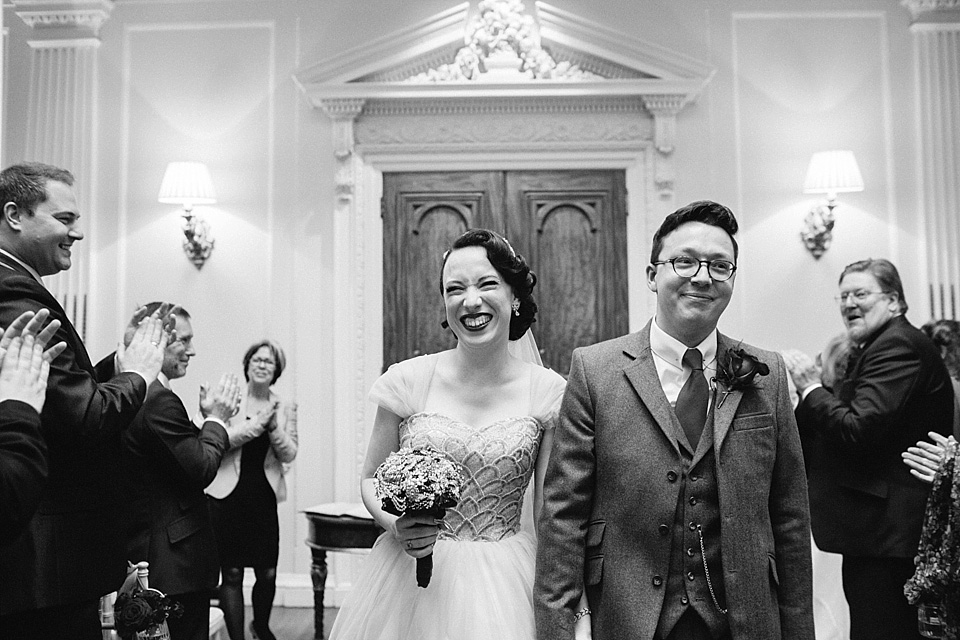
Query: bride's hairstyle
{"x":511,"y":267}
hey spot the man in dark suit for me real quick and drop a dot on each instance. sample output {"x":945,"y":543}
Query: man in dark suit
{"x":167,"y":462}
{"x":864,"y":502}
{"x":53,"y":574}
{"x":675,"y":496}
{"x":24,"y":368}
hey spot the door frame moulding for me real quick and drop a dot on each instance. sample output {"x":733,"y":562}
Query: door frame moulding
{"x":383,"y":123}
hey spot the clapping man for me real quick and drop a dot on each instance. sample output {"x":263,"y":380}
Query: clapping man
{"x":24,"y":367}
{"x":864,"y":503}
{"x":53,"y":574}
{"x":675,"y":495}
{"x":167,"y":462}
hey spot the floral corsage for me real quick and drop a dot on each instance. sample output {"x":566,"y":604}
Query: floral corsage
{"x":737,"y":370}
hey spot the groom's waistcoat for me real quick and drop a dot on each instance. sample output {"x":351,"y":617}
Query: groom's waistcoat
{"x":698,"y":505}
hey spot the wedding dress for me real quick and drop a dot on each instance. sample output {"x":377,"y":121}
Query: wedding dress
{"x":483,"y":567}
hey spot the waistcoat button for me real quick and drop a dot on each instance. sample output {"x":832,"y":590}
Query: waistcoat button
{"x":672,"y":476}
{"x":657,"y":581}
{"x":664,"y":529}
{"x":690,"y":576}
{"x":684,"y":600}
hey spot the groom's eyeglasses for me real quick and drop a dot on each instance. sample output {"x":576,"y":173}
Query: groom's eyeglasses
{"x":687,"y":267}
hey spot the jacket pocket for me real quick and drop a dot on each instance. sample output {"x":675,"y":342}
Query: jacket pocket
{"x":593,"y":568}
{"x":755,"y":421}
{"x":773,"y":570}
{"x":182,"y":528}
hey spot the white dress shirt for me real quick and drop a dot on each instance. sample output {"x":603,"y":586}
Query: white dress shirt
{"x":668,"y":358}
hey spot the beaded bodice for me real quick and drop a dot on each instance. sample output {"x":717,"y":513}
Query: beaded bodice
{"x":498,"y":461}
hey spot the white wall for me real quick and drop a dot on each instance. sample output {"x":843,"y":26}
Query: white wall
{"x":211,"y":80}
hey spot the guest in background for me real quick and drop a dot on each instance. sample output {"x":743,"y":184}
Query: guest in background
{"x":249,"y":484}
{"x":865,"y":504}
{"x":167,"y":462}
{"x":70,"y":553}
{"x":24,"y":368}
{"x":946,"y":335}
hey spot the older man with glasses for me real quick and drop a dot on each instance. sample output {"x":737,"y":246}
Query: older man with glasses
{"x":864,"y":503}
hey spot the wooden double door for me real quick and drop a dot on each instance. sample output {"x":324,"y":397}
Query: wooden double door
{"x":570,"y":226}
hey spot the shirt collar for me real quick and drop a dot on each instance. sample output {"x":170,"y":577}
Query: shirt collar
{"x":164,"y":380}
{"x":23,"y":264}
{"x":671,"y":350}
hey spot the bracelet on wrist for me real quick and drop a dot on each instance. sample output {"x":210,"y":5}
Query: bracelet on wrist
{"x":579,"y":614}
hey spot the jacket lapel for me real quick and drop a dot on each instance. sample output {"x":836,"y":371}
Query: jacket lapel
{"x":725,"y":401}
{"x":642,"y":374}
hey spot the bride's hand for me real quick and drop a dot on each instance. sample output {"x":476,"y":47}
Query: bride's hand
{"x":582,"y":630}
{"x":416,"y":534}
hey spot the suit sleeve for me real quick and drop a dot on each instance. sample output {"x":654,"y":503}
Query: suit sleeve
{"x":790,"y":519}
{"x":23,"y":467}
{"x":76,"y":404}
{"x":568,"y":502}
{"x":888,"y":376}
{"x":190,"y":457}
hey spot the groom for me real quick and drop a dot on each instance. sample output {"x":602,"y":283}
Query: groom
{"x":675,"y":494}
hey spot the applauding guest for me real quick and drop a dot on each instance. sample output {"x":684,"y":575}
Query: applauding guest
{"x":167,"y":462}
{"x":244,"y":495}
{"x":864,"y":503}
{"x":53,"y":574}
{"x":24,"y":368}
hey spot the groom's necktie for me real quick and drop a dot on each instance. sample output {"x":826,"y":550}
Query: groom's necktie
{"x":691,"y":405}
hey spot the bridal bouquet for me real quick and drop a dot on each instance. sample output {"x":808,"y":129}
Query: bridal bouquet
{"x":420,"y":481}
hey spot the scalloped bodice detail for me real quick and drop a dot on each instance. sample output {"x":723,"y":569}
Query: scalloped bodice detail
{"x":498,"y":461}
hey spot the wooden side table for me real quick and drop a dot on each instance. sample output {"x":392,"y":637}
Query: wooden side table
{"x":336,"y":526}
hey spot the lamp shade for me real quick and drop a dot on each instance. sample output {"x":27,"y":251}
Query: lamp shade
{"x":833,"y":172}
{"x":187,"y":184}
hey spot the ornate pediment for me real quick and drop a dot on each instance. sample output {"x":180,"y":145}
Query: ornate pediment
{"x":504,"y":50}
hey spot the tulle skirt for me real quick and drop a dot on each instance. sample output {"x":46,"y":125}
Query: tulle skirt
{"x":479,"y":591}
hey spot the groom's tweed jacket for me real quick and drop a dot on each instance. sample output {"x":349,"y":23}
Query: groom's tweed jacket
{"x":608,"y":491}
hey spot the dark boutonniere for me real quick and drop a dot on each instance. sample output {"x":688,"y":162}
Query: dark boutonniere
{"x":738,"y":370}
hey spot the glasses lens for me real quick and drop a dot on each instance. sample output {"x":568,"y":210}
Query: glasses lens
{"x":721,"y":270}
{"x":685,"y":267}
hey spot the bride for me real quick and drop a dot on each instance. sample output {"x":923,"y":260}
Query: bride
{"x":492,"y":413}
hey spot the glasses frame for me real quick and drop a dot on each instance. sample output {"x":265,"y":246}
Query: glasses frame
{"x":859,"y":296}
{"x":673,"y":263}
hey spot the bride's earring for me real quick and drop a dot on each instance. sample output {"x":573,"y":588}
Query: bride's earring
{"x":515,"y":305}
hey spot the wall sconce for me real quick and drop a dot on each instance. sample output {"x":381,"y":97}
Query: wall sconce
{"x":830,"y":172}
{"x":189,"y":184}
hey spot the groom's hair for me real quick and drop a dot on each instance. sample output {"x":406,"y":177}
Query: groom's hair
{"x":705,"y":211}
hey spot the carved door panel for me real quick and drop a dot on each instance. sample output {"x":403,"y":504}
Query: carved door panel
{"x":569,"y":225}
{"x":574,"y":236}
{"x":423,"y":213}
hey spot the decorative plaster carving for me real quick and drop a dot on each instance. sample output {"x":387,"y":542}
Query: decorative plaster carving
{"x":920,"y":7}
{"x":343,"y":112}
{"x":664,"y":109}
{"x":83,"y":15}
{"x":503,"y":45}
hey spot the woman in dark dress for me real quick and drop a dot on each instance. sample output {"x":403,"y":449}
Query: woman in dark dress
{"x":243,"y":498}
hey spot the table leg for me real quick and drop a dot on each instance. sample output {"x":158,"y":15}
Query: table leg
{"x":318,"y":573}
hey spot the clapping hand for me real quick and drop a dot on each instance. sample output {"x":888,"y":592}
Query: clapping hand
{"x":224,"y":401}
{"x":144,"y":342}
{"x":24,"y":365}
{"x":802,"y":368}
{"x":924,"y":459}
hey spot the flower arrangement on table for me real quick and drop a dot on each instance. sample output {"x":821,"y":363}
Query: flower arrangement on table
{"x":737,"y":370}
{"x":418,"y":481}
{"x":936,"y":581}
{"x":144,"y":610}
